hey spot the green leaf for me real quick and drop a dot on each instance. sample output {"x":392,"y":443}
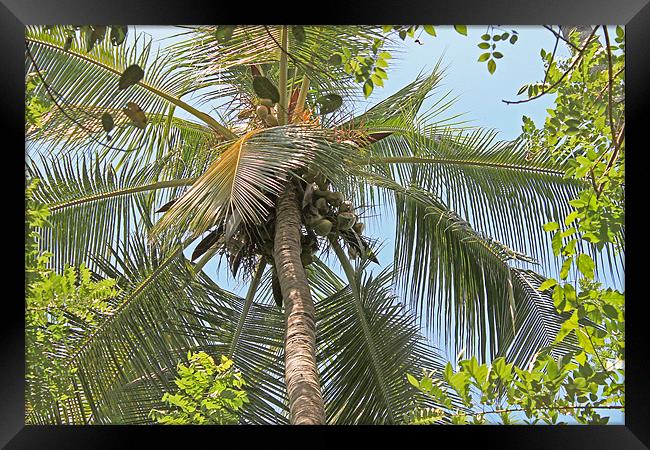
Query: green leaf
{"x":567,"y":327}
{"x":566,"y":265}
{"x":299,"y":33}
{"x":107,"y":122}
{"x":484,"y":57}
{"x":131,"y":75}
{"x":485,"y":37}
{"x":223,"y":33}
{"x":492,"y":66}
{"x":497,"y":55}
{"x":586,"y":265}
{"x":265,"y":89}
{"x":584,"y":341}
{"x":413,"y":380}
{"x":429,"y":29}
{"x":329,"y":103}
{"x":484,"y":45}
{"x":513,"y":38}
{"x":336,"y":59}
{"x":367,"y":88}
{"x":556,"y":243}
{"x":619,"y":31}
{"x":118,"y":34}
{"x":551,"y":226}
{"x":573,"y":215}
{"x":547,"y":284}
{"x":610,"y":311}
{"x":462,"y":29}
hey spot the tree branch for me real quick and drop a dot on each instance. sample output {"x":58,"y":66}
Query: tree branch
{"x":578,"y":58}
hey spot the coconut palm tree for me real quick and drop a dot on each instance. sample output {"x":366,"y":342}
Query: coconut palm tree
{"x":276,"y":182}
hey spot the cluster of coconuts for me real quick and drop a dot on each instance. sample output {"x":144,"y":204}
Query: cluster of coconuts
{"x":328,"y":212}
{"x":266,"y":111}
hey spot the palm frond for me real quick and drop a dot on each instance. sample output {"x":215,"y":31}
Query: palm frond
{"x":537,"y":321}
{"x":493,"y":184}
{"x":457,"y":279}
{"x":91,"y":79}
{"x":95,"y":206}
{"x":224,"y":67}
{"x":366,"y":346}
{"x":242,"y":184}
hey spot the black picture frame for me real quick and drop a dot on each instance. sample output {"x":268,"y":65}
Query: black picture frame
{"x":15,"y":14}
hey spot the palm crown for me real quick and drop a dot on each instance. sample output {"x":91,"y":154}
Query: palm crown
{"x":275,"y":200}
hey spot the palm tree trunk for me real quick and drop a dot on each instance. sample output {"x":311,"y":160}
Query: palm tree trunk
{"x":301,"y":374}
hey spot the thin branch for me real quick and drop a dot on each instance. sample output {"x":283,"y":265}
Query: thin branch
{"x":559,"y":36}
{"x":615,"y":139}
{"x":550,"y":63}
{"x":569,"y":70}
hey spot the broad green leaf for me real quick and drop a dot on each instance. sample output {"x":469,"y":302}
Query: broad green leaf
{"x":131,"y":76}
{"x":264,"y":88}
{"x":430,"y":29}
{"x":107,"y":122}
{"x":567,"y":327}
{"x":118,"y":34}
{"x":462,"y":29}
{"x":551,"y":226}
{"x":413,"y":380}
{"x":492,"y":66}
{"x":547,"y":284}
{"x":586,"y":265}
{"x":566,"y":265}
{"x":224,"y":33}
{"x":329,"y":103}
{"x":299,"y":33}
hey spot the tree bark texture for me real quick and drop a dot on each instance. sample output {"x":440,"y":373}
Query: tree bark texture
{"x":301,"y":374}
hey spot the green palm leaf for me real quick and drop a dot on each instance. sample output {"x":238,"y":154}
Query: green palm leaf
{"x":93,"y":205}
{"x":91,"y":80}
{"x":241,"y":185}
{"x":367,"y":344}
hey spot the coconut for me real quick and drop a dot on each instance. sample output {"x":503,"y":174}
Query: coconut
{"x":345,"y":206}
{"x":271,"y":120}
{"x":359,"y":227}
{"x":266,"y":102}
{"x":335,"y":198}
{"x":345,"y":220}
{"x":323,"y":227}
{"x":262,"y":111}
{"x":320,"y":193}
{"x":311,"y":220}
{"x":321,"y":204}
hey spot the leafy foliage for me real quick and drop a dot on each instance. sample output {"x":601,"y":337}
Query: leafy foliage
{"x":56,"y":305}
{"x":208,"y":393}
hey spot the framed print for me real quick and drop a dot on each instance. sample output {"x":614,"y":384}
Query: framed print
{"x":335,"y":223}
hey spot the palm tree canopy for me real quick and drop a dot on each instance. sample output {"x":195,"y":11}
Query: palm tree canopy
{"x":467,"y":210}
